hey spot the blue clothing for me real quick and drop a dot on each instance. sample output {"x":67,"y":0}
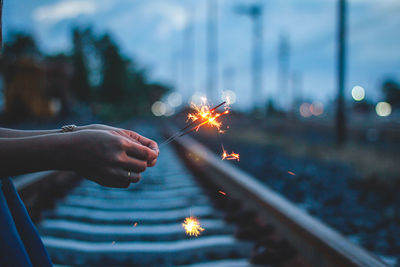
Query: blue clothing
{"x":20,"y":244}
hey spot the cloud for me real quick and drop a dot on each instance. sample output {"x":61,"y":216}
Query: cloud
{"x":172,"y":17}
{"x":63,"y":10}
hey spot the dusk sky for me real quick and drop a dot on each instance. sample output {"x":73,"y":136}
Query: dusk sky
{"x":152,"y":32}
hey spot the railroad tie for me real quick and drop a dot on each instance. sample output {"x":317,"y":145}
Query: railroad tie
{"x":142,"y":225}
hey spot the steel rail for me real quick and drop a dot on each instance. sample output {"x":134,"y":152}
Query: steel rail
{"x":319,"y":244}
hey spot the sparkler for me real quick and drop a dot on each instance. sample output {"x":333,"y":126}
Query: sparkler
{"x":203,"y":115}
{"x":232,"y":156}
{"x":192,"y":226}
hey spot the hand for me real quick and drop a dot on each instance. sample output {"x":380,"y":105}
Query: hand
{"x":106,"y":157}
{"x":127,"y":133}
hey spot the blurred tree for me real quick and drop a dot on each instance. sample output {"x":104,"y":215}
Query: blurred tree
{"x":391,"y":90}
{"x":80,"y":78}
{"x":20,"y":45}
{"x":24,"y":79}
{"x":115,"y":73}
{"x":123,"y":83}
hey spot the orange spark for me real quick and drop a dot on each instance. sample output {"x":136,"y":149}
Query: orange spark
{"x":205,"y":115}
{"x":222,"y":192}
{"x":291,"y":173}
{"x":135,"y":224}
{"x":192,"y":226}
{"x":231,"y":156}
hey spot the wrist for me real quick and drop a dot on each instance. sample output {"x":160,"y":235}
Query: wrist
{"x":64,"y":151}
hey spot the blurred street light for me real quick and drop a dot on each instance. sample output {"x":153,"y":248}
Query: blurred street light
{"x":158,"y":108}
{"x":383,"y":109}
{"x":358,"y":93}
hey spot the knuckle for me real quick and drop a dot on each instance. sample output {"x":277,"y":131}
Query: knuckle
{"x":142,"y":166}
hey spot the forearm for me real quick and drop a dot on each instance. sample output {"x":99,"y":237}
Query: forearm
{"x":12,"y":133}
{"x":37,"y":153}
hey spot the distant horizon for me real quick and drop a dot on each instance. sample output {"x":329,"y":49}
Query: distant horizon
{"x":152,"y":33}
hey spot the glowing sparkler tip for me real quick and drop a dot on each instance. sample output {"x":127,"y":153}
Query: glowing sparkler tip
{"x":192,"y":226}
{"x":291,"y":173}
{"x":222,"y":192}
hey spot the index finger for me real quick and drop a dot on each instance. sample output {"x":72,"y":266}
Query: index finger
{"x":147,"y":142}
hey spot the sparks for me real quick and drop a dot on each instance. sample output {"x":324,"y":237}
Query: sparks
{"x":135,"y":224}
{"x":231,"y":156}
{"x":291,"y":173}
{"x":222,"y":193}
{"x":192,"y":226}
{"x":203,"y":114}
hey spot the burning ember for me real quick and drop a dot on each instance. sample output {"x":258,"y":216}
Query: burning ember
{"x":222,"y":193}
{"x":291,"y":173}
{"x":202,"y":115}
{"x":232,"y":156}
{"x":192,"y":226}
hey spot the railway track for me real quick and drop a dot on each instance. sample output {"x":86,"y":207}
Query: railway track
{"x":244,"y":221}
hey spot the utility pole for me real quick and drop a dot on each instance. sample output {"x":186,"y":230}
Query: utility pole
{"x":283,"y":69}
{"x":212,"y":49}
{"x":255,"y":12}
{"x":341,"y":73}
{"x":188,"y":59}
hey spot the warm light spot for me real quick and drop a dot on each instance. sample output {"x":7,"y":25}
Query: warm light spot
{"x":305,"y":110}
{"x":291,"y":173}
{"x":383,"y":109}
{"x":113,"y":243}
{"x":317,"y":108}
{"x":158,"y":108}
{"x":358,"y":93}
{"x":222,"y":193}
{"x":135,"y":224}
{"x":192,"y":226}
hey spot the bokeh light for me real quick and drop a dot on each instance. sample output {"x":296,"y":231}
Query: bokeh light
{"x":158,"y":108}
{"x":358,"y":93}
{"x":169,"y":111}
{"x":174,"y":99}
{"x":305,"y":110}
{"x":317,"y":108}
{"x":229,"y":96}
{"x":383,"y":109}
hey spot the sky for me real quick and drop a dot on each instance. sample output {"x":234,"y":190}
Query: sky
{"x":162,"y":34}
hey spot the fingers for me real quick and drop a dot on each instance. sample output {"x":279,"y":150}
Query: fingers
{"x":151,"y":164}
{"x":141,"y":152}
{"x":133,"y":165}
{"x":146,"y":141}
